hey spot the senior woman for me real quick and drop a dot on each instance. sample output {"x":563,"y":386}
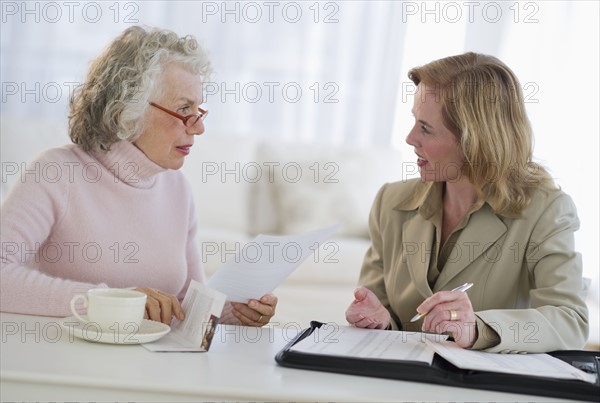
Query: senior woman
{"x":118,"y":213}
{"x":482,"y":212}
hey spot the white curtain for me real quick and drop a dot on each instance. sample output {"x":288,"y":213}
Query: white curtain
{"x":307,"y":71}
{"x":331,"y":72}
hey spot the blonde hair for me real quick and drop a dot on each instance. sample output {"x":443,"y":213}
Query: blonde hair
{"x":482,"y":105}
{"x":110,"y":104}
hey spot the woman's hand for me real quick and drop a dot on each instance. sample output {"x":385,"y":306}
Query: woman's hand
{"x":255,"y":312}
{"x":367,"y":311}
{"x":161,"y":306}
{"x":452,"y":312}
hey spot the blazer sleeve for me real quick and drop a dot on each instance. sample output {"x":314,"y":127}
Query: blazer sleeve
{"x":557,"y":318}
{"x":371,"y":275}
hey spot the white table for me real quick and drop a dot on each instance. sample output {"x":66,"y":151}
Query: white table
{"x":40,"y":361}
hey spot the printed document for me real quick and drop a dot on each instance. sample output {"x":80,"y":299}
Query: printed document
{"x":263,"y":263}
{"x":524,"y":364}
{"x":346,"y":341}
{"x":202,"y":307}
{"x":332,"y":339}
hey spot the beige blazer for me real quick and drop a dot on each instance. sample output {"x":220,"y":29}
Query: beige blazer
{"x":527,"y":276}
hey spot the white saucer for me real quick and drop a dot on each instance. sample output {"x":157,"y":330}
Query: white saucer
{"x":149,"y":331}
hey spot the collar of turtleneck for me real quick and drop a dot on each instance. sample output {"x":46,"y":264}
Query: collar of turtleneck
{"x":130,"y":165}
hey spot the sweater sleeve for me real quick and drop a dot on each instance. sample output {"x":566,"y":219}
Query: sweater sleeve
{"x":195,"y":270}
{"x":32,"y":209}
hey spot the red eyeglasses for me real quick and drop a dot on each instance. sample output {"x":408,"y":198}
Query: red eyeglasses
{"x":189,"y":120}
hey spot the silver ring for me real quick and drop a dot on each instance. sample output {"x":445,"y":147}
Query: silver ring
{"x":453,"y":315}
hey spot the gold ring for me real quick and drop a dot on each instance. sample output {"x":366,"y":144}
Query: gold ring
{"x":259,"y":319}
{"x":453,"y":315}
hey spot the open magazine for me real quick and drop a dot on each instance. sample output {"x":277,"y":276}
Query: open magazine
{"x":202,"y":307}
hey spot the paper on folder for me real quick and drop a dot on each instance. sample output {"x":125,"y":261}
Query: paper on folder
{"x":333,"y":339}
{"x":345,"y":341}
{"x":263,"y":263}
{"x":538,"y":364}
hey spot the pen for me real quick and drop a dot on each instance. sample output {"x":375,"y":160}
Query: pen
{"x":462,"y":288}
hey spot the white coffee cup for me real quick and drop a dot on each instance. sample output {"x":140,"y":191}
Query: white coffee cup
{"x":112,"y":309}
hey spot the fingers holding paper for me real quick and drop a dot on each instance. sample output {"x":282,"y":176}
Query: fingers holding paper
{"x":366,"y":311}
{"x":450,"y":312}
{"x":255,"y":312}
{"x":161,"y":306}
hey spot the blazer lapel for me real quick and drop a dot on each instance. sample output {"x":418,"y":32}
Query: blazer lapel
{"x":417,"y":235}
{"x":483,"y":229}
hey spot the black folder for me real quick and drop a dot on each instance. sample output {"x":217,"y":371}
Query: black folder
{"x":443,"y":372}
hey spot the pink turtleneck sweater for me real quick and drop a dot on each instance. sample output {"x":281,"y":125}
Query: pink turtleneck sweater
{"x":77,"y":221}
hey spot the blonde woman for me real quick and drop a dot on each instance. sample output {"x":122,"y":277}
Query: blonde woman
{"x":482,"y":212}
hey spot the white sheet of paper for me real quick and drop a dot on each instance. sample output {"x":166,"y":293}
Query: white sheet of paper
{"x":263,"y":263}
{"x":202,"y":307}
{"x":525,"y":364}
{"x":332,"y":339}
{"x":346,"y":341}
